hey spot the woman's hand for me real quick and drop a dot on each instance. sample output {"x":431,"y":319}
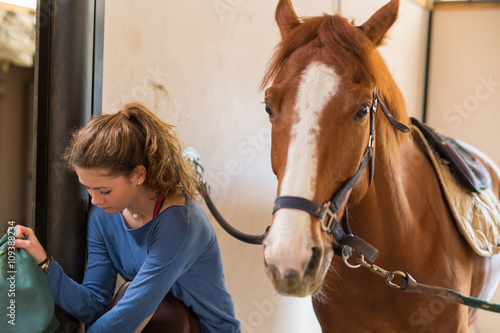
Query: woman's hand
{"x":31,"y":244}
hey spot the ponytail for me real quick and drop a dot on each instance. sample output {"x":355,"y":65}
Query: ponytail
{"x":134,"y":136}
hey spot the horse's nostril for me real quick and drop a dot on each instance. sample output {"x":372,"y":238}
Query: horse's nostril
{"x":316,"y":253}
{"x":273,"y":271}
{"x":312,"y":265}
{"x":291,"y":279}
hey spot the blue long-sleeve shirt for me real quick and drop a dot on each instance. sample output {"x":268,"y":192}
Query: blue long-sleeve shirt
{"x":176,"y":251}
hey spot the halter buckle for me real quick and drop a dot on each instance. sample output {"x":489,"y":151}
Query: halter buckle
{"x":328,"y":217}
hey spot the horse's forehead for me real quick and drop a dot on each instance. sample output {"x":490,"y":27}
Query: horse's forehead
{"x":318,"y":84}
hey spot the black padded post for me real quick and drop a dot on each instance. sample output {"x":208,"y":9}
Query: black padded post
{"x":64,"y":99}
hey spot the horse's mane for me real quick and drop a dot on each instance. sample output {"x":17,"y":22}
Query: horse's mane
{"x":352,"y":50}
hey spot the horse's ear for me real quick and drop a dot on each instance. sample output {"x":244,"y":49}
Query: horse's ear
{"x":377,"y":26}
{"x":286,"y":17}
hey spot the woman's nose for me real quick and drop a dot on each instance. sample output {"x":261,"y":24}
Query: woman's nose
{"x":97,"y":200}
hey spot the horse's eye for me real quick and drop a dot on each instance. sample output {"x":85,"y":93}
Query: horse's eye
{"x":269,"y":110}
{"x":362,"y":112}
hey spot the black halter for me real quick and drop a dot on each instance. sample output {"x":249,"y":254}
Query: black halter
{"x":327,"y":213}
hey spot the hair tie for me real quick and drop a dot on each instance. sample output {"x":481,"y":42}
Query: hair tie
{"x":125,"y":113}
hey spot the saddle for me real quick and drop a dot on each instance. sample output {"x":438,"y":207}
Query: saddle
{"x":467,"y":187}
{"x":470,"y":172}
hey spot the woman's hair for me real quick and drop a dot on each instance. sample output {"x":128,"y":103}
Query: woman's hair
{"x":134,"y":136}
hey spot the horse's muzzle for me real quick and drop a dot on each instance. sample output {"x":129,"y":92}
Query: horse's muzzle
{"x":298,"y":282}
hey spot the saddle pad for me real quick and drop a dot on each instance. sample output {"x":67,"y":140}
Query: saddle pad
{"x":477,"y":215}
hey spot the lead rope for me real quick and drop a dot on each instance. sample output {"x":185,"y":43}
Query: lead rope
{"x":193,"y":158}
{"x":407,"y":283}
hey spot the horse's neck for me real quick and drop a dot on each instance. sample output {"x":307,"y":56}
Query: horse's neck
{"x":391,"y":168}
{"x":394,"y":188}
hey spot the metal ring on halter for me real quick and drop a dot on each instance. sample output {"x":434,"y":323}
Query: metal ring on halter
{"x":346,"y":254}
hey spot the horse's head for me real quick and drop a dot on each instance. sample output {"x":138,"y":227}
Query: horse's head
{"x":324,"y":75}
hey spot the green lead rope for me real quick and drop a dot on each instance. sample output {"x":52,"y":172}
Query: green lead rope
{"x":405,"y":282}
{"x":408,"y":284}
{"x":475,"y":302}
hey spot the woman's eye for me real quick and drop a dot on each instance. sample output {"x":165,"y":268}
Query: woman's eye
{"x":362,"y":112}
{"x":269,"y":110}
{"x":106,"y":193}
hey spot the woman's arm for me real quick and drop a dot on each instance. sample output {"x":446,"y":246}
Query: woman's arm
{"x":88,"y":300}
{"x":84,"y":301}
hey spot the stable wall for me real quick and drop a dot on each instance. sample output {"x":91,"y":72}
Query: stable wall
{"x":199,"y":65}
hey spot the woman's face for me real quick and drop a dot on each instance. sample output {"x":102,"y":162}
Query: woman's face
{"x":111,"y":193}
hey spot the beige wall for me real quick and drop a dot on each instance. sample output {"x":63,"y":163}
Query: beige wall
{"x":199,"y":65}
{"x":464,"y":95}
{"x":464,"y":90}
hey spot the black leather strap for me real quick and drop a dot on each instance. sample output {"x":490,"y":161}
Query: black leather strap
{"x":250,"y":239}
{"x":299,"y":203}
{"x":398,"y":125}
{"x":348,"y":185}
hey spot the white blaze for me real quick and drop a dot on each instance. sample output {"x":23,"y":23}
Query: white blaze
{"x":318,"y":85}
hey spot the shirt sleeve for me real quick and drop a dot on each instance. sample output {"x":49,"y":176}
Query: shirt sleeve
{"x":171,"y":252}
{"x":88,"y":300}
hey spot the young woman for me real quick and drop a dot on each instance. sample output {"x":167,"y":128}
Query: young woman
{"x":145,"y":224}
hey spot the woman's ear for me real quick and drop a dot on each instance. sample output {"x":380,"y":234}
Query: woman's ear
{"x":138,"y":175}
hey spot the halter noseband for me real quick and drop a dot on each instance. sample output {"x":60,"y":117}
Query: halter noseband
{"x":327,"y":213}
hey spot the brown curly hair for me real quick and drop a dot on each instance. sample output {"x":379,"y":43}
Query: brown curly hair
{"x":131,"y":137}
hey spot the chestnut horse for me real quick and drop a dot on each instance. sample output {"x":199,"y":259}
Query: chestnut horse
{"x":324,"y":79}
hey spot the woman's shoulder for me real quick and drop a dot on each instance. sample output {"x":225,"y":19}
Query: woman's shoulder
{"x":189,"y":212}
{"x":189,"y":218}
